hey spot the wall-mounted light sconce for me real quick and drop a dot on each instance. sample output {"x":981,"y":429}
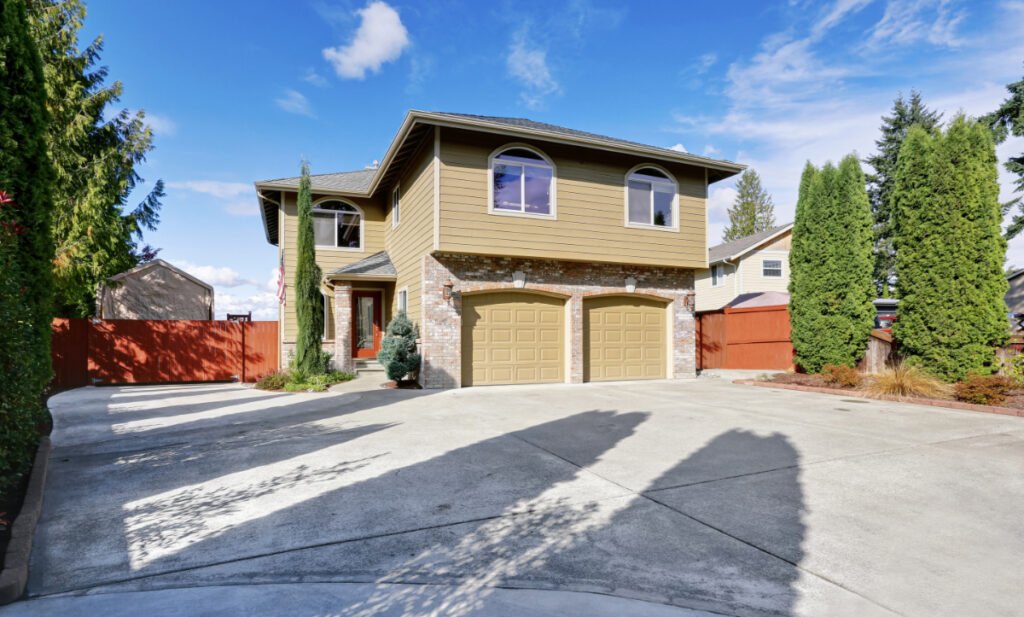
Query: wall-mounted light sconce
{"x":446,"y":290}
{"x":689,"y":302}
{"x":630,"y":284}
{"x":519,"y":279}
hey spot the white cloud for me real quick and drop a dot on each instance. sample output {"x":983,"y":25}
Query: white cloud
{"x":314,"y":78}
{"x":214,"y":188}
{"x":910,"y":21}
{"x":529,"y":66}
{"x":242,"y":208}
{"x":218,"y":276}
{"x":161,"y":125}
{"x":263,"y":305}
{"x":710,"y":150}
{"x":705,"y":62}
{"x":678,"y":148}
{"x":294,"y":102}
{"x":380,"y":38}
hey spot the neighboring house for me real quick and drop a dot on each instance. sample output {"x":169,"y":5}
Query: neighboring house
{"x":756,"y":263}
{"x":1015,"y":295}
{"x":154,"y":290}
{"x":524,"y":252}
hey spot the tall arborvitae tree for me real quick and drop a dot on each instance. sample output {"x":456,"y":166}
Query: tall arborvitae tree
{"x":831,"y":290}
{"x":26,"y":246}
{"x":949,"y":251}
{"x":905,"y":114}
{"x":96,"y":153}
{"x":1009,"y":120}
{"x":310,"y":358}
{"x":753,"y":210}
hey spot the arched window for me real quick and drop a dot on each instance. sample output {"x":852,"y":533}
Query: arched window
{"x":651,"y":199}
{"x":522,"y":182}
{"x":337,"y":224}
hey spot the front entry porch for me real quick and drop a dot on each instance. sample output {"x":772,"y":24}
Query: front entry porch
{"x":363,"y":293}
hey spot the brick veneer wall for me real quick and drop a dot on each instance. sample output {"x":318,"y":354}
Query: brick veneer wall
{"x":441,"y":320}
{"x":342,"y":359}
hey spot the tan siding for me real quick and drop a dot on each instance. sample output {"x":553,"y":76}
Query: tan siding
{"x":414,"y":236}
{"x":590,"y":209}
{"x":328,"y":259}
{"x":780,"y":244}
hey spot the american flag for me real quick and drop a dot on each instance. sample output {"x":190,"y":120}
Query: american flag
{"x":280,"y":282}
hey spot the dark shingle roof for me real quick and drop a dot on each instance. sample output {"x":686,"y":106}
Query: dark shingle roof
{"x":344,"y":181}
{"x":378,"y":264}
{"x":742,"y":245}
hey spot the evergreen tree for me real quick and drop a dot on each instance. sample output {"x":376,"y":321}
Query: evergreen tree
{"x":753,"y":210}
{"x":398,"y":349}
{"x":949,"y":251}
{"x":1009,"y":120}
{"x":831,"y":291}
{"x":905,"y":114}
{"x":26,"y":246}
{"x":96,"y":154}
{"x":310,"y":358}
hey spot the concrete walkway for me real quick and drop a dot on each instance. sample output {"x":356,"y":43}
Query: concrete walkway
{"x":613,"y":499}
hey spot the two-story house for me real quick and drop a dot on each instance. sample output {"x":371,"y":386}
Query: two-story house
{"x":524,"y":252}
{"x":756,"y":263}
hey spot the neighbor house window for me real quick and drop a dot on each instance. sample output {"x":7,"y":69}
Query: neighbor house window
{"x":403,"y":301}
{"x":396,"y":208}
{"x":651,"y":198}
{"x":523,"y":182}
{"x":717,"y":275}
{"x":771,"y":268}
{"x":337,"y":224}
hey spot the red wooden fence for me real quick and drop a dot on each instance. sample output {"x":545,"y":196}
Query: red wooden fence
{"x":118,"y":351}
{"x":746,"y":338}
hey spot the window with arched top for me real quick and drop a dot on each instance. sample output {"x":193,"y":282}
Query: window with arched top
{"x":522,"y":182}
{"x":337,"y":224}
{"x":651,"y":198}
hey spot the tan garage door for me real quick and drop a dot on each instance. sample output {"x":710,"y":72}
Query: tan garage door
{"x":623,"y":338}
{"x":510,"y":338}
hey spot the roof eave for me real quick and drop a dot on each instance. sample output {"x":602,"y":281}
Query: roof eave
{"x":346,"y":276}
{"x":747,"y":250}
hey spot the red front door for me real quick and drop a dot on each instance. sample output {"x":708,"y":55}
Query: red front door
{"x":367,"y":323}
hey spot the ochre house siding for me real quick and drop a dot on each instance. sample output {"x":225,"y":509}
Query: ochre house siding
{"x":414,"y":236}
{"x":590,"y":208}
{"x":328,"y":259}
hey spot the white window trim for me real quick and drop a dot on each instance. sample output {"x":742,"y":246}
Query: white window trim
{"x":674,"y":227}
{"x":490,"y":183}
{"x":396,"y":207}
{"x":782,"y":271}
{"x":398,"y":301}
{"x":362,"y":227}
{"x":721,"y":277}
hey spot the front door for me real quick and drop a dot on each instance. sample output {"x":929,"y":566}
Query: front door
{"x":367,"y":323}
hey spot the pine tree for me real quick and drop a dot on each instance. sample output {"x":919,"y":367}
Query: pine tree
{"x":26,"y":246}
{"x":831,"y":291}
{"x":96,"y":153}
{"x":905,"y":113}
{"x":398,"y":349}
{"x":1009,"y":120}
{"x":753,"y":210}
{"x":949,"y":251}
{"x":310,"y":358}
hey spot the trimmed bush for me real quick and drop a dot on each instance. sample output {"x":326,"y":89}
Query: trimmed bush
{"x":983,"y":389}
{"x":273,"y":381}
{"x":398,"y":349}
{"x":841,"y":376}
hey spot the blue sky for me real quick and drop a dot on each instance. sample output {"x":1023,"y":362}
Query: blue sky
{"x":241,"y":91}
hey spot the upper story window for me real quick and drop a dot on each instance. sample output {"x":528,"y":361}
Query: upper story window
{"x":337,"y":224}
{"x":651,"y":199}
{"x":403,"y":300}
{"x":396,"y":207}
{"x":522,"y":182}
{"x":771,"y":268}
{"x":717,"y":275}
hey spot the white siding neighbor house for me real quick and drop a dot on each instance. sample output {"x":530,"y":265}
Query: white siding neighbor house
{"x":756,"y":263}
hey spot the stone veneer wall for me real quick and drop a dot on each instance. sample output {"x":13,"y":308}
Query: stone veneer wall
{"x":441,"y":320}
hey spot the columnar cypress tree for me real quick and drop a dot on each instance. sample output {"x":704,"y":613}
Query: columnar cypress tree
{"x":831,"y":289}
{"x":26,"y":247}
{"x":310,"y":358}
{"x":753,"y":210}
{"x":949,"y":251}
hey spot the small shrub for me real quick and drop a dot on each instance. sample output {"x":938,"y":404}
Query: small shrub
{"x":983,"y":390}
{"x":273,"y":381}
{"x":840,"y":376}
{"x":398,"y":349}
{"x":907,"y":381}
{"x":1014,"y":368}
{"x":318,"y":383}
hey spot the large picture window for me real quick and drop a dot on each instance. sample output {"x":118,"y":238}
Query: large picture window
{"x":522,"y":182}
{"x":337,"y":224}
{"x":651,"y":199}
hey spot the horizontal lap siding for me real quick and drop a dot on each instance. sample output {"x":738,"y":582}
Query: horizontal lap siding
{"x":752,"y":272}
{"x":414,"y":236}
{"x":590,"y":199}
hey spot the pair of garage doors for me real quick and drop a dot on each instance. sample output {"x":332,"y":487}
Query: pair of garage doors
{"x":515,"y":338}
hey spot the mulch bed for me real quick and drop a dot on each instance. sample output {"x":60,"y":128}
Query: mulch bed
{"x":402,"y":385}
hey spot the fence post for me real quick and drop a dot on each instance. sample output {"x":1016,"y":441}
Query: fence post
{"x":244,"y":353}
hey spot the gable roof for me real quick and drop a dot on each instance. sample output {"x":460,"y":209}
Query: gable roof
{"x":739,"y":247}
{"x":154,"y":263}
{"x":377,"y":266}
{"x":364,"y":183}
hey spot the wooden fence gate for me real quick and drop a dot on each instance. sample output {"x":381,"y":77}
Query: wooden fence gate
{"x":123,"y":351}
{"x":745,"y":338}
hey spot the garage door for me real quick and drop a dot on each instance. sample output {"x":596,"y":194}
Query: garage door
{"x":511,"y":338}
{"x":624,"y":338}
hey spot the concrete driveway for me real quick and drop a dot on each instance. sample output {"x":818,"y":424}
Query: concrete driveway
{"x":658,"y":498}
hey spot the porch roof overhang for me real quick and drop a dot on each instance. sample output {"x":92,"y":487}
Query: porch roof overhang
{"x":376,"y":267}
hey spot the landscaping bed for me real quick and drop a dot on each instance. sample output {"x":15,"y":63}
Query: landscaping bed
{"x":285,"y":381}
